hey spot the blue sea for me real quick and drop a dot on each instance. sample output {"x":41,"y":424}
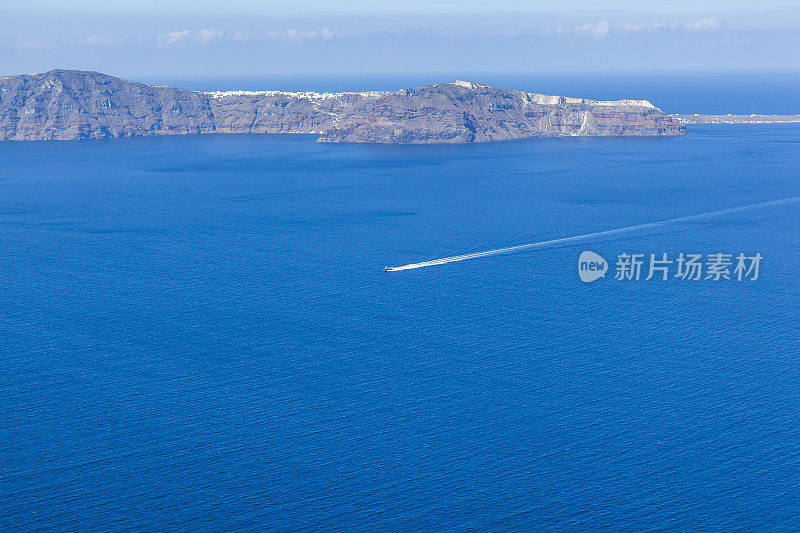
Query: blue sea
{"x":196,"y":334}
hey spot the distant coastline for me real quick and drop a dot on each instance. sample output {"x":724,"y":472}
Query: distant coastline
{"x":736,"y":119}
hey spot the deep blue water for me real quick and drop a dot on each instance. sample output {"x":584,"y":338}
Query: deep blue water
{"x":197,"y":335}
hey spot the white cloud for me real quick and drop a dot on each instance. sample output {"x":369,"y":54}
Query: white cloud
{"x":648,"y":27}
{"x":598,"y":30}
{"x":558,"y":30}
{"x":293,"y":34}
{"x":500,"y":33}
{"x":327,"y":33}
{"x":103,"y":40}
{"x":174,"y":37}
{"x":704,"y":25}
{"x":35,"y":44}
{"x":184,"y":38}
{"x":603,"y":28}
{"x":209,"y":35}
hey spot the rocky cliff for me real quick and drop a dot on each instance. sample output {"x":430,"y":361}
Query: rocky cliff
{"x":65,"y":104}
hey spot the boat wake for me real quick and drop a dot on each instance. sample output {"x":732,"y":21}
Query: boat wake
{"x":586,"y":236}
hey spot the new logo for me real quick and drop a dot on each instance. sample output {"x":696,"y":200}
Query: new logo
{"x":591,"y":266}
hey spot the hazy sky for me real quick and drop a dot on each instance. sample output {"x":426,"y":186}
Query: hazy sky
{"x":151,"y":38}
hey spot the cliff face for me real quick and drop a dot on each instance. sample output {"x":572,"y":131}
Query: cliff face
{"x":280,"y":112}
{"x":64,"y":104}
{"x":468,"y":112}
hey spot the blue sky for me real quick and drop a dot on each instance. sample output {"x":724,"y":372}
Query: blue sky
{"x":151,"y":38}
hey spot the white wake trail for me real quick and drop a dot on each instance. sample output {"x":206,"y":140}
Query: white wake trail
{"x":475,"y":255}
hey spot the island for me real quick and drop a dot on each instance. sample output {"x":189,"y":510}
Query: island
{"x":70,"y":104}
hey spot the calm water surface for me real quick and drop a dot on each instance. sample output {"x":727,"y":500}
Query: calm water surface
{"x":197,"y":335}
